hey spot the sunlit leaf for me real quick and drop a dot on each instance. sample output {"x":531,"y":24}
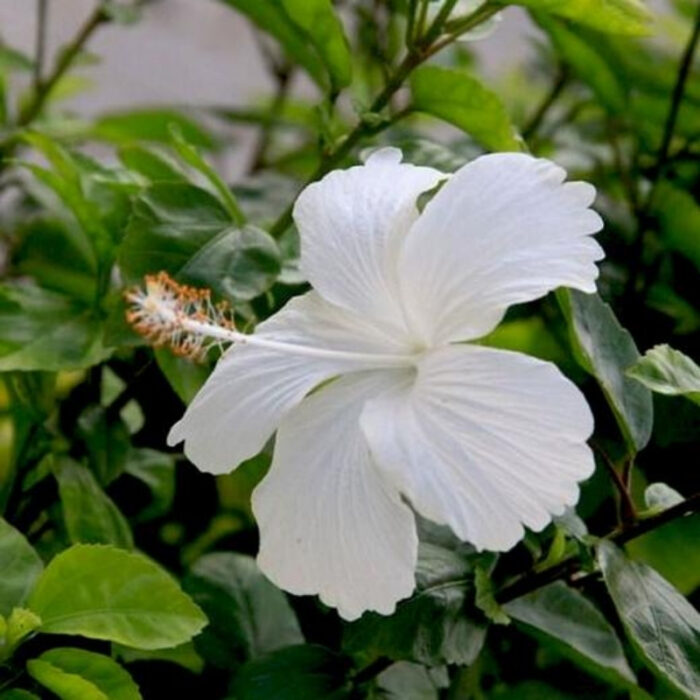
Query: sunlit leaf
{"x":101,"y":592}
{"x":460,"y":99}
{"x":77,"y":674}
{"x":20,"y":566}
{"x":612,"y":16}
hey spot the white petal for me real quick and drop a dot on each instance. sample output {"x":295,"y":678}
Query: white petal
{"x":504,"y":229}
{"x":252,"y":388}
{"x":329,"y":523}
{"x":350,"y":225}
{"x":484,"y":441}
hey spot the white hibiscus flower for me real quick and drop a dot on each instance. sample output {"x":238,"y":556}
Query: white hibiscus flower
{"x":414,"y":419}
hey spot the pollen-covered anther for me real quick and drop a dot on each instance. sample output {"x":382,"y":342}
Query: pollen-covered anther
{"x":175,"y":315}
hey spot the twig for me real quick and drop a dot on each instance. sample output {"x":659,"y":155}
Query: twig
{"x":64,"y":61}
{"x":40,"y":45}
{"x":415,"y":57}
{"x":570,"y":565}
{"x":657,"y":171}
{"x":550,"y":98}
{"x":628,"y":512}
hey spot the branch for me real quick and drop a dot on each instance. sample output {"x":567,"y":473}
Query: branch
{"x":549,"y":99}
{"x":66,"y":58}
{"x":414,"y":58}
{"x":571,"y":565}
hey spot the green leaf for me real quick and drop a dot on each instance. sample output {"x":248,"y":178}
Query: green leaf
{"x":325,"y":31}
{"x":18,"y":694}
{"x":149,"y":164}
{"x":658,"y":497}
{"x":562,"y":616}
{"x":305,"y":672}
{"x":462,"y":100}
{"x":20,"y":566}
{"x":408,"y":681}
{"x":303,"y":48}
{"x":76,"y":674}
{"x":605,"y":350}
{"x":185,"y":231}
{"x":184,"y":376}
{"x":667,"y":371}
{"x":629,"y":17}
{"x":249,"y":616}
{"x":662,"y":624}
{"x":107,"y":441}
{"x":157,"y":471}
{"x":12,"y":59}
{"x":89,"y":513}
{"x":678,"y":214}
{"x":43,"y":330}
{"x":434,"y":626}
{"x":672,"y":550}
{"x":101,"y":592}
{"x":58,"y":256}
{"x":588,"y":63}
{"x":150,"y":125}
{"x":20,"y":623}
{"x":191,"y":156}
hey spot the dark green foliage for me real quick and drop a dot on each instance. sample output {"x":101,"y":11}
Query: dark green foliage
{"x":125,"y":573}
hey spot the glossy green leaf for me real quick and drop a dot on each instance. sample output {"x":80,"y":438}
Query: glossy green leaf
{"x":249,"y":616}
{"x":305,"y":672}
{"x":77,"y":674}
{"x":629,"y":17}
{"x":44,"y":330}
{"x":461,"y":100}
{"x":563,"y":617}
{"x":662,"y":624}
{"x":667,"y":371}
{"x":191,"y":156}
{"x":321,"y":24}
{"x":588,"y":63}
{"x":432,"y":627}
{"x":185,"y":231}
{"x":101,"y":592}
{"x":150,"y":125}
{"x":605,"y":350}
{"x":20,"y":566}
{"x":89,"y":513}
{"x":322,"y":53}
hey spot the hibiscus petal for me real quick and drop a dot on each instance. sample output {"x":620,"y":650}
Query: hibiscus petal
{"x":484,"y":441}
{"x":252,"y":388}
{"x":504,"y":229}
{"x":350,"y":224}
{"x":329,"y":522}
